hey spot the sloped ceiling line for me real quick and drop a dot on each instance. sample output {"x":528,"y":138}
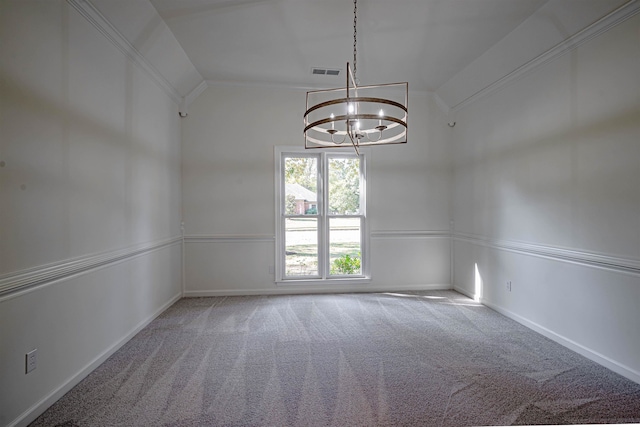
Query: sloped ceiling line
{"x":599,"y":27}
{"x":192,"y":96}
{"x":91,"y":14}
{"x":98,"y":20}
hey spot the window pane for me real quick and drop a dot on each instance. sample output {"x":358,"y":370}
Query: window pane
{"x":345,"y":251}
{"x":301,"y":186}
{"x":344,"y":186}
{"x":301,"y":247}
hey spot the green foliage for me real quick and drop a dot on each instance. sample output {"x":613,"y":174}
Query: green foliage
{"x":344,"y":186}
{"x":311,"y":211}
{"x":346,"y":264}
{"x":290,"y":204}
{"x":344,"y":181}
{"x":301,"y":170}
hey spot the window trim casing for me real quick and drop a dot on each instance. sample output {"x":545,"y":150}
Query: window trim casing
{"x":323,"y":277}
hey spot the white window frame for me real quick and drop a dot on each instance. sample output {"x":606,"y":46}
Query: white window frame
{"x":324,"y":276}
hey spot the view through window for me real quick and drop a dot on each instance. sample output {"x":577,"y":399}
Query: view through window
{"x":321,"y":215}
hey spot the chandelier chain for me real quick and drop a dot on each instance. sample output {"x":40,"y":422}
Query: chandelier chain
{"x":355,"y":33}
{"x":356,"y":120}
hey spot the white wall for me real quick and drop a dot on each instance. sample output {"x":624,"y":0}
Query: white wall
{"x":228,"y":144}
{"x":546,"y":194}
{"x":546,"y":28}
{"x":89,"y":201}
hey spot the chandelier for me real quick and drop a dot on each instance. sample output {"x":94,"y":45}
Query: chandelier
{"x":356,"y":115}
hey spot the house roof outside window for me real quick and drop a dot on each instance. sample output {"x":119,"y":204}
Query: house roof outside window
{"x":300,"y":192}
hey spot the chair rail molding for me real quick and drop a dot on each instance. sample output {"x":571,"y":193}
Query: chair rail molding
{"x":410,"y":234}
{"x":19,"y":282}
{"x":229,"y":238}
{"x":568,"y":255}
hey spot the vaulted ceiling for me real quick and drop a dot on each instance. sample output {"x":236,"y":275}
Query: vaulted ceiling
{"x":278,"y":41}
{"x":451,"y":47}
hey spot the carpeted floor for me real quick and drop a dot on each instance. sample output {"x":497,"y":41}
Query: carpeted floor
{"x":418,"y":358}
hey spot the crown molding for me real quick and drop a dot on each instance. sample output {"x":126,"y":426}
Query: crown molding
{"x":293,"y":86}
{"x":572,"y":256}
{"x":441,"y":104}
{"x":24,"y":280}
{"x":265,"y":84}
{"x":196,"y":92}
{"x":95,"y":18}
{"x":599,"y":27}
{"x":191,"y":96}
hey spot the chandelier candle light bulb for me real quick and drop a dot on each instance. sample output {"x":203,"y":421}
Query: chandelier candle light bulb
{"x":358,"y":125}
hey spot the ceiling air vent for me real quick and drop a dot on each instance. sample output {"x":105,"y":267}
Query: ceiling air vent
{"x":325,"y":71}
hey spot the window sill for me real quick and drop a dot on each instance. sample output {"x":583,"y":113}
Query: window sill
{"x":326,"y":283}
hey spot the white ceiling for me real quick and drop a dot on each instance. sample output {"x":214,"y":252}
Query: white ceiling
{"x":424,"y":42}
{"x":454,"y":48}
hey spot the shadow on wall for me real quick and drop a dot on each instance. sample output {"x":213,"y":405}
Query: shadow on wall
{"x":60,"y":160}
{"x":548,"y":185}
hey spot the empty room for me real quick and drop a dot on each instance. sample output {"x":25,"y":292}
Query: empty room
{"x":321,"y":213}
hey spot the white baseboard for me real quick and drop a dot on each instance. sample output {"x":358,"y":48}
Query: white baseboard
{"x":38,"y":408}
{"x":608,"y":363}
{"x":294,"y":290}
{"x":463,"y":292}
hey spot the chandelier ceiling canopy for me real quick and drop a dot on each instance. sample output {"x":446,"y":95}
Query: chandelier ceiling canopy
{"x":356,"y":115}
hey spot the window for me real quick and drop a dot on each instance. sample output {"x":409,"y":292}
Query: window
{"x":321,"y":216}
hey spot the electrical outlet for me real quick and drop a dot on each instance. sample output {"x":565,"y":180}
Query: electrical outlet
{"x":509,"y":285}
{"x":31,"y":360}
{"x":272,"y":269}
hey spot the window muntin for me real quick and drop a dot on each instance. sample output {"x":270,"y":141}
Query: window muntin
{"x":344,"y":185}
{"x":320,"y":239}
{"x":301,"y":247}
{"x":345,"y":249}
{"x":301,"y":185}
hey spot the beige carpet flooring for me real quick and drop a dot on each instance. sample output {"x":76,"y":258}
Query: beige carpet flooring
{"x":404,"y":359}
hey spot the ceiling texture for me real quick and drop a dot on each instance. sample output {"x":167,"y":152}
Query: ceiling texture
{"x":453,"y":48}
{"x":424,"y":42}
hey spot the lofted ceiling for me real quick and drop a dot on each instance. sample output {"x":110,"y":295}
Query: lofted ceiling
{"x":424,"y":42}
{"x":454,"y":48}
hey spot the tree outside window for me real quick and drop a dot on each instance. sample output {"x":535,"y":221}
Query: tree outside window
{"x":321,"y":219}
